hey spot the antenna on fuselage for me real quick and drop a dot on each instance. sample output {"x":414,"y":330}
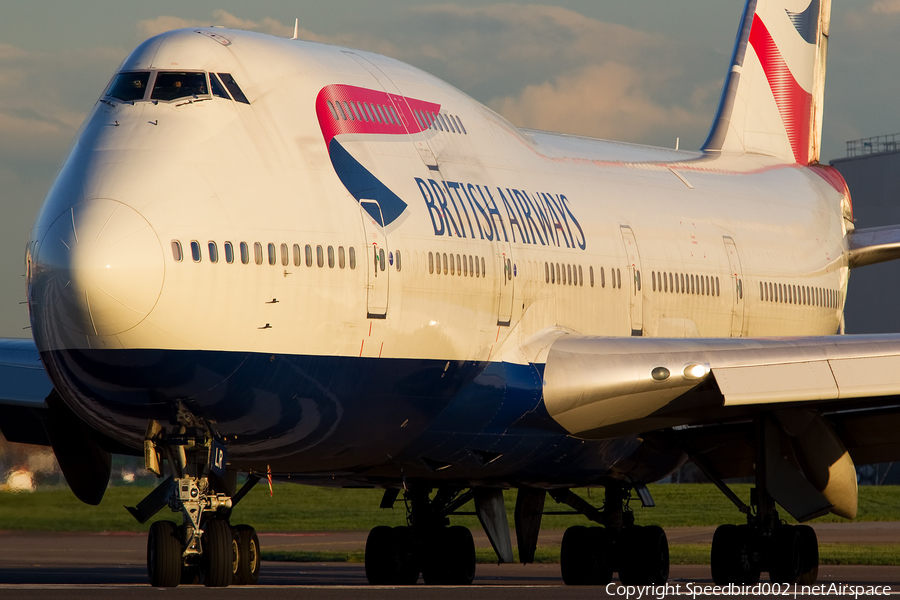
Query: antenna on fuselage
{"x":296,"y":29}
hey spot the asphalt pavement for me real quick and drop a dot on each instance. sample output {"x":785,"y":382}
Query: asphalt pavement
{"x":84,"y":565}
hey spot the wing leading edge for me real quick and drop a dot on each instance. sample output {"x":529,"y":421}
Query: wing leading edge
{"x":23,"y":381}
{"x":812,"y":404}
{"x":24,"y":386}
{"x":603,"y":387}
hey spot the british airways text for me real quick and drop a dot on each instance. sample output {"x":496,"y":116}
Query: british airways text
{"x":468,"y":210}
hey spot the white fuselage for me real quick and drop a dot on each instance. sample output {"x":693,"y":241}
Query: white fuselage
{"x":214,"y":170}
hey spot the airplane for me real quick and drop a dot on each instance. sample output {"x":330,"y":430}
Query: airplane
{"x":300,"y":261}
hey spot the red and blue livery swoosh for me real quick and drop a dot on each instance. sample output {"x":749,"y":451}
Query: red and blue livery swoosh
{"x":794,"y":103}
{"x":346,"y":109}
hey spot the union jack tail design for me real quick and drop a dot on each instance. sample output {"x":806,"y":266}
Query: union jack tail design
{"x":772,"y":100}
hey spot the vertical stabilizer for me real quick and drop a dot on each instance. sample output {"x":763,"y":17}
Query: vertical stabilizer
{"x":772,"y":99}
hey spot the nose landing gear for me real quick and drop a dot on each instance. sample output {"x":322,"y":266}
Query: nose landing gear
{"x":205,"y":546}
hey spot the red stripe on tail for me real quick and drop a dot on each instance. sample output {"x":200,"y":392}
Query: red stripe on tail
{"x":794,"y":103}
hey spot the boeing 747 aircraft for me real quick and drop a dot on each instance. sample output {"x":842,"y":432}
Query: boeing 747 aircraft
{"x":266,"y":255}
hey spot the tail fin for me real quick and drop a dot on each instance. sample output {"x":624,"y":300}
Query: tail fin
{"x":772,"y":99}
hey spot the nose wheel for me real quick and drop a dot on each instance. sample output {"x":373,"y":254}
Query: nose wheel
{"x":247,"y":547}
{"x":205,"y":547}
{"x":164,"y":551}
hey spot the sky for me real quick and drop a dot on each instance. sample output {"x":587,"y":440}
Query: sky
{"x":646,"y":71}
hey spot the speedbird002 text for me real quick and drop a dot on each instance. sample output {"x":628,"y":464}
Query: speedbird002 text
{"x":272,"y":256}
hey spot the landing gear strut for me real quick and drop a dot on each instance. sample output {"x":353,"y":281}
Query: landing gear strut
{"x":205,"y":546}
{"x":444,"y":555}
{"x":740,"y":553}
{"x":590,"y":555}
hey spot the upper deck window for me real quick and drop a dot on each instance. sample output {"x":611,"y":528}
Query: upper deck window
{"x":173,"y":85}
{"x":129,"y":87}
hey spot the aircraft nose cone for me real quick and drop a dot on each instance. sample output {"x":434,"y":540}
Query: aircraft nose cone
{"x":99,"y":269}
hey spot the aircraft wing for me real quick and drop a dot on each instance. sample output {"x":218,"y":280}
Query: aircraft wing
{"x":23,"y":387}
{"x":605,"y":387}
{"x":873,"y":245}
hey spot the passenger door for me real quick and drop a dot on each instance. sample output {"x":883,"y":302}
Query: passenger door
{"x":737,"y":287}
{"x":636,"y":298}
{"x":375,"y":256}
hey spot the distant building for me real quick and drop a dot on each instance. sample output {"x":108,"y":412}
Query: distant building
{"x":872,"y":171}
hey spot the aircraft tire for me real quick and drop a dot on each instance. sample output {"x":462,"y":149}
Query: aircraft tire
{"x":451,"y":559}
{"x":585,"y":556}
{"x":220,"y":554}
{"x":645,"y":556}
{"x":247,"y":572}
{"x":380,"y":555}
{"x":572,"y":553}
{"x":460,"y":559}
{"x":785,"y":558}
{"x":809,"y":555}
{"x":164,"y":555}
{"x":730,"y":560}
{"x":390,"y":556}
{"x":407,"y":567}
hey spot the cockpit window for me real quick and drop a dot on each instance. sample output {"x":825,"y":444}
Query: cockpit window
{"x":129,"y":87}
{"x":217,"y":88}
{"x":233,"y":87}
{"x":173,"y":85}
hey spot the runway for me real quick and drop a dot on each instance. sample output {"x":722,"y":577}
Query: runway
{"x":110,"y":565}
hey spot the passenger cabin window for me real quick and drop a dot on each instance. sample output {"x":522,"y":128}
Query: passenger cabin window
{"x":129,"y":87}
{"x":213,"y":252}
{"x":272,"y":258}
{"x":320,"y":256}
{"x":285,"y":255}
{"x":308,"y":255}
{"x":179,"y":84}
{"x":297,"y":257}
{"x":330,"y":257}
{"x":176,"y":251}
{"x":257,"y":253}
{"x":195,"y":251}
{"x":352,"y":253}
{"x":342,"y":259}
{"x":245,"y":253}
{"x":229,"y":253}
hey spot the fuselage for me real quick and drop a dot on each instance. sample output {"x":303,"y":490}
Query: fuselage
{"x":351,"y":269}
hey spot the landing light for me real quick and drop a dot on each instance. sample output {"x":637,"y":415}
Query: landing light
{"x":695,"y":371}
{"x":660,"y":373}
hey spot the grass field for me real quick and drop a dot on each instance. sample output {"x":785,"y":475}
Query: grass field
{"x":303,"y":508}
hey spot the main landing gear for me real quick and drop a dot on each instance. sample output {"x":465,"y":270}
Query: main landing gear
{"x":444,"y":555}
{"x":590,"y":555}
{"x":205,"y":547}
{"x":740,"y":553}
